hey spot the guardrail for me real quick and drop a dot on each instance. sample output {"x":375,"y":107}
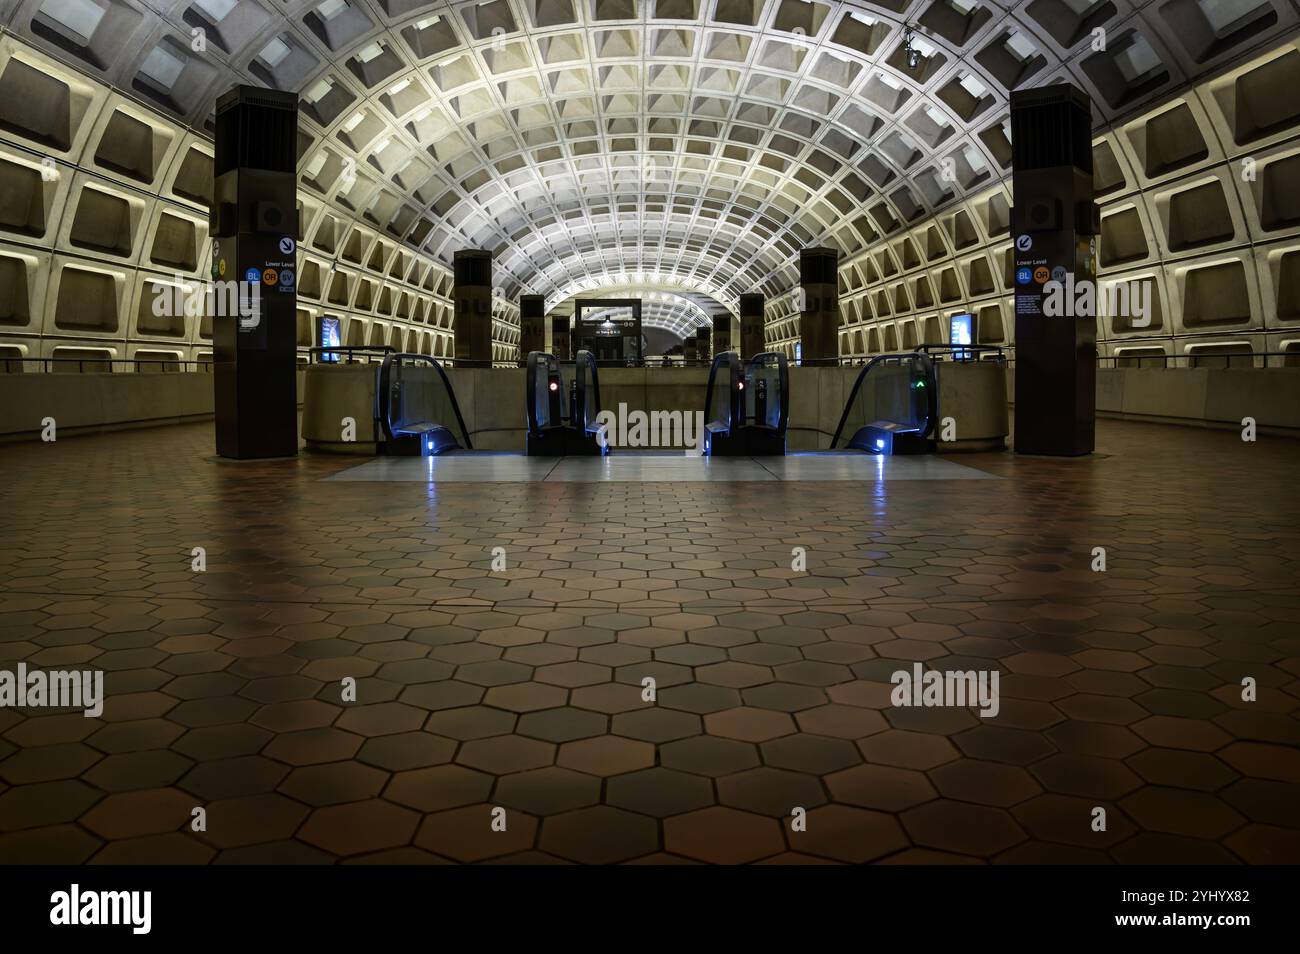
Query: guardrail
{"x":354,"y":354}
{"x":101,"y":365}
{"x":1237,"y":359}
{"x":373,"y":354}
{"x":938,"y":352}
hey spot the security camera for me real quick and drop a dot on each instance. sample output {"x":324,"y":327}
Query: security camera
{"x":913,"y":54}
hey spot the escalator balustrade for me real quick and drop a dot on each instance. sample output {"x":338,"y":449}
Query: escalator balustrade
{"x":563,"y":415}
{"x":747,"y":405}
{"x":416,"y":408}
{"x":892,"y":407}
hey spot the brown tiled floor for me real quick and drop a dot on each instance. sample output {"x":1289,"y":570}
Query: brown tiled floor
{"x":521,"y":690}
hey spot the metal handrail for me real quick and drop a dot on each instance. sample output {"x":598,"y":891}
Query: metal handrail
{"x":547,"y":362}
{"x":349,"y":350}
{"x":21,"y":364}
{"x":1191,"y":356}
{"x":971,"y":350}
{"x":733,"y":368}
{"x":169,"y":365}
{"x":586,"y":362}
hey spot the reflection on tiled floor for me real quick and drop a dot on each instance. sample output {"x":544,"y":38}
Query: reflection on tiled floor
{"x":469,"y":466}
{"x":842,"y":465}
{"x":657,"y":467}
{"x":522,"y":689}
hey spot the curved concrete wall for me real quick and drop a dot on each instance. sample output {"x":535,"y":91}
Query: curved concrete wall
{"x":974,"y":395}
{"x":331,"y":394}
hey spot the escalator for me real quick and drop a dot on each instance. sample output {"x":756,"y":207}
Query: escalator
{"x":416,"y":411}
{"x":563,"y":414}
{"x":747,"y":405}
{"x":892,"y":408}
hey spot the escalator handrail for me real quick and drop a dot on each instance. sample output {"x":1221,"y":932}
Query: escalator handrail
{"x":549,"y":362}
{"x":588,"y":389}
{"x":932,"y":398}
{"x":383,"y":407}
{"x":733,"y":367}
{"x":783,"y":366}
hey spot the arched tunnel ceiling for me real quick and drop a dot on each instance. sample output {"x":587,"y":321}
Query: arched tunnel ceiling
{"x":696,"y":142}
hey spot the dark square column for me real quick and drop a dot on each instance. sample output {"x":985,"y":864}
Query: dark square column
{"x":560,"y":337}
{"x":820,"y":313}
{"x":721,"y":333}
{"x":472,"y":295}
{"x":254,"y":228}
{"x":532,"y":324}
{"x":1054,"y":227}
{"x":751,"y":325}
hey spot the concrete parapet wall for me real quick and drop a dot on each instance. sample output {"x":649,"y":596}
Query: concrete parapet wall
{"x":974,"y":395}
{"x":817,"y":397}
{"x":492,"y":400}
{"x":332,"y":392}
{"x":1213,"y":397}
{"x":91,"y":402}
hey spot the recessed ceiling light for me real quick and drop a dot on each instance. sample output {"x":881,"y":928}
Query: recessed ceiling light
{"x":218,"y":10}
{"x":936,"y":116}
{"x":331,"y":8}
{"x":319,"y":91}
{"x":1020,"y":45}
{"x":369,"y":52}
{"x":163,"y":67}
{"x":274,"y":53}
{"x":82,"y":17}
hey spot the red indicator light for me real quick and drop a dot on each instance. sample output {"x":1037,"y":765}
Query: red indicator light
{"x":554,"y":386}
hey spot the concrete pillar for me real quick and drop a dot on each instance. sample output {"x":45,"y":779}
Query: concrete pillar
{"x":560,"y":337}
{"x":472,"y":295}
{"x":532,"y":324}
{"x":721,"y":333}
{"x":819,"y":313}
{"x":702,"y":340}
{"x":1054,"y":225}
{"x":254,"y":228}
{"x":752,"y":336}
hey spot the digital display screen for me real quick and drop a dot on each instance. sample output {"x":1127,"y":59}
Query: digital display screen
{"x":329,"y":337}
{"x":961,"y":332}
